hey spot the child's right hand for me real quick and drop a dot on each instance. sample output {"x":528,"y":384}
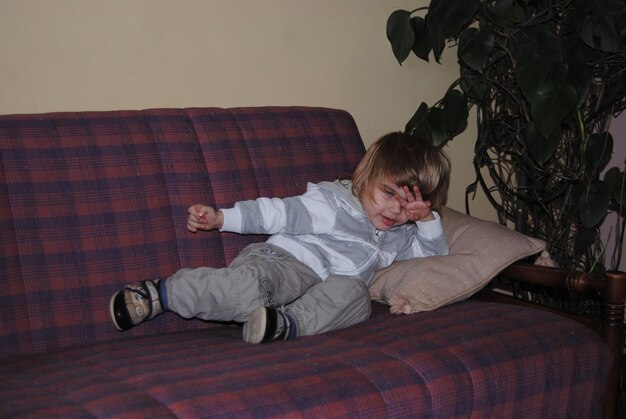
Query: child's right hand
{"x":414,"y":206}
{"x":202,"y":217}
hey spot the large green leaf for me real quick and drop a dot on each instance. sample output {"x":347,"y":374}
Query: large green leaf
{"x":616,"y":181}
{"x":430,"y":124}
{"x":530,"y":73}
{"x":417,"y":120}
{"x":540,"y":147}
{"x":400,"y":34}
{"x":598,"y":150}
{"x":472,"y":85}
{"x":446,"y":18}
{"x":550,"y":104}
{"x":450,"y":16}
{"x":594,"y":204}
{"x":601,"y":22}
{"x":422,"y":45}
{"x":456,"y":113}
{"x":438,"y":127}
{"x":509,"y":10}
{"x":535,"y":56}
{"x":475,"y":47}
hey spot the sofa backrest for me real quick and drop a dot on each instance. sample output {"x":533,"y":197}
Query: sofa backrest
{"x":91,"y":201}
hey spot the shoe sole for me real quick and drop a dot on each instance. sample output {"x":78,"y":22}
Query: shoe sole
{"x":254,"y":328}
{"x":112,"y":312}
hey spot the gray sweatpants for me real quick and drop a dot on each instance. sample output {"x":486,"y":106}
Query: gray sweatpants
{"x":266,"y":275}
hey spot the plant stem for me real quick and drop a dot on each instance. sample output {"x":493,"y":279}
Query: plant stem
{"x":418,"y":9}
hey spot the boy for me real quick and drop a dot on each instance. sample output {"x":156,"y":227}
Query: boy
{"x":311,"y":275}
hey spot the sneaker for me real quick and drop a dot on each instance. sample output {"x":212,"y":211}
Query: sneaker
{"x":267,"y":324}
{"x":135,"y":304}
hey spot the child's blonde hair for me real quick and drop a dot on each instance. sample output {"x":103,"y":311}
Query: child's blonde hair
{"x":406,"y":160}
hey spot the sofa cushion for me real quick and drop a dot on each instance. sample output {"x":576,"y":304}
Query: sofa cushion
{"x":492,"y":360}
{"x":479,"y":249}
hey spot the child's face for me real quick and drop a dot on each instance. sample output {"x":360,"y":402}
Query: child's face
{"x":383,"y":209}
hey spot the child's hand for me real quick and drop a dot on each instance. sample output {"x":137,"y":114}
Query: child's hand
{"x":202,"y":217}
{"x":414,"y":206}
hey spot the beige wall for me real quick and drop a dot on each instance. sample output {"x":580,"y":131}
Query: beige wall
{"x":58,"y":55}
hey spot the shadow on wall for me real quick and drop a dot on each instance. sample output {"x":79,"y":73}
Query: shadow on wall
{"x":611,"y":223}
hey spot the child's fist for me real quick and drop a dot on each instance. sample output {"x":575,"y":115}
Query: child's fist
{"x":202,"y":217}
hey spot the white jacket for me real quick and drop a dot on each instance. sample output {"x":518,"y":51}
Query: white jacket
{"x":327,"y":229}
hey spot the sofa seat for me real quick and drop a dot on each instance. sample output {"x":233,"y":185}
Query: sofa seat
{"x":484,"y":363}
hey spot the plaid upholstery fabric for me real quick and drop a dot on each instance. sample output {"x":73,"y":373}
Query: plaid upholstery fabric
{"x":459,"y":361}
{"x":92,"y":201}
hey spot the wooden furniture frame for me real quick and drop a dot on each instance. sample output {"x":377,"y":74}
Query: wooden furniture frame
{"x":610,"y":325}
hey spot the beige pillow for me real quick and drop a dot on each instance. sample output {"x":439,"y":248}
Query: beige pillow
{"x":479,"y":250}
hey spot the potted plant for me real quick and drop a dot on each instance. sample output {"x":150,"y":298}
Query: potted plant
{"x":545,"y":77}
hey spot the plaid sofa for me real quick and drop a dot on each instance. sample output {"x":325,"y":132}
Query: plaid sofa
{"x":92,"y":201}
